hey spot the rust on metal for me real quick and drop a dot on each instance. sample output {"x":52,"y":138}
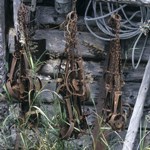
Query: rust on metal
{"x":21,"y":84}
{"x":113,"y":112}
{"x":73,"y":86}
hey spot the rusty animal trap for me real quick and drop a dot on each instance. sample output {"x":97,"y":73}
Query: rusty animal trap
{"x":113,"y":111}
{"x":72,"y":85}
{"x":21,"y":83}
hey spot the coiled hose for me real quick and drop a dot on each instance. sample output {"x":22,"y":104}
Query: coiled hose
{"x":130,"y":26}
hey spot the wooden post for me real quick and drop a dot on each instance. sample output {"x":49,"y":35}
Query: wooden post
{"x":2,"y":45}
{"x":16,"y":5}
{"x":138,"y":110}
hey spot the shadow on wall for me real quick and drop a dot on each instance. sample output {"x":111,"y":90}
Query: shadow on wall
{"x":81,"y":7}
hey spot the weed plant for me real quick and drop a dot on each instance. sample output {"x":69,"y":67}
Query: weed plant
{"x":16,"y":132}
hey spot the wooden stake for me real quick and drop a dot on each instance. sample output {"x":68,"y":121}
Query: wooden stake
{"x":138,"y":110}
{"x":16,"y":5}
{"x":2,"y":44}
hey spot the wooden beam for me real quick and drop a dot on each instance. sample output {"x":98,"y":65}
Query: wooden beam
{"x":55,"y":42}
{"x":16,"y":5}
{"x":130,"y":75}
{"x":138,"y":49}
{"x":2,"y":44}
{"x":138,"y":110}
{"x":133,"y":75}
{"x":91,"y":68}
{"x":48,"y":15}
{"x":94,"y":71}
{"x":29,"y":1}
{"x":133,"y":2}
{"x":130,"y":92}
{"x":88,"y":46}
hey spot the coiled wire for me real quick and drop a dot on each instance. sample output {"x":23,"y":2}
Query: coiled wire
{"x":130,"y":26}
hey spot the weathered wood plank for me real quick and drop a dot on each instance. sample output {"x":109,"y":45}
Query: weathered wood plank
{"x":16,"y":6}
{"x":88,"y":46}
{"x":138,"y":110}
{"x":47,"y":96}
{"x":94,"y":71}
{"x":2,"y":44}
{"x":134,"y":2}
{"x":48,"y":15}
{"x":130,"y":92}
{"x":129,"y":48}
{"x":42,"y":14}
{"x":39,"y":1}
{"x":97,"y":95}
{"x":133,"y":75}
{"x":91,"y":68}
{"x":3,"y":103}
{"x":55,"y":42}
